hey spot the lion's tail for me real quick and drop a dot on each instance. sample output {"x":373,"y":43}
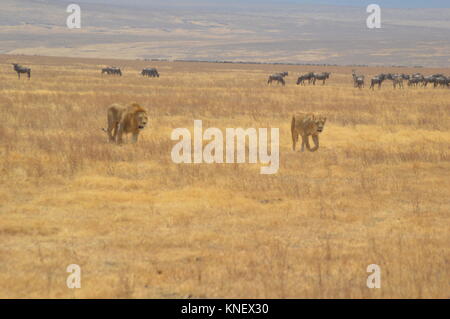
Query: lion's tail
{"x":104,"y":130}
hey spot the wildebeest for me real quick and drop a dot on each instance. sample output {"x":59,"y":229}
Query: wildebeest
{"x":405,"y":76}
{"x":150,"y":72}
{"x":112,"y":70}
{"x":276,"y":77}
{"x":437,"y":80}
{"x":308,"y":76}
{"x":414,"y":81}
{"x":20,"y":69}
{"x":442,"y":81}
{"x":301,"y":79}
{"x":358,"y":80}
{"x":428,"y":79}
{"x":378,"y":79}
{"x":321,"y":77}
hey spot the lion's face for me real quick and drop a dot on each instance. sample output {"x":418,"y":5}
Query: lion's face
{"x":319,"y":124}
{"x":142,"y":120}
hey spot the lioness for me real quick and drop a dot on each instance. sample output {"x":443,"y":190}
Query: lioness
{"x":306,"y":124}
{"x":131,"y":119}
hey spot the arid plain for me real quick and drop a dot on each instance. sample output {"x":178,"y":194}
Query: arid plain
{"x":140,"y":226}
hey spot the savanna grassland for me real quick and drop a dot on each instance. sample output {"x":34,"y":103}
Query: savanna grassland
{"x":140,"y":226}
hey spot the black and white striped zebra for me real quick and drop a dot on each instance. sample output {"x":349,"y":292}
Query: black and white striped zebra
{"x":397,"y":80}
{"x":358,"y":80}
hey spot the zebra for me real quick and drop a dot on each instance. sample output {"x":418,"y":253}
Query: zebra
{"x":20,"y":69}
{"x":358,"y":80}
{"x":276,"y":77}
{"x":150,"y":72}
{"x":378,"y":79}
{"x":112,"y":70}
{"x":321,"y":76}
{"x":397,"y":79}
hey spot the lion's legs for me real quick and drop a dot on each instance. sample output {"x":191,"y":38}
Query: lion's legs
{"x":304,"y":141}
{"x":112,"y":126}
{"x":294,"y":139}
{"x":316,"y":142}
{"x":110,"y":135}
{"x":315,"y":139}
{"x":113,"y":132}
{"x":110,"y":132}
{"x":119,"y":134}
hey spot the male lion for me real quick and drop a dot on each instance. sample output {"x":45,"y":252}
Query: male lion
{"x":306,"y":124}
{"x":131,"y":119}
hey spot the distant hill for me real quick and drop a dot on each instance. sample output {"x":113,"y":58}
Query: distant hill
{"x":251,"y":31}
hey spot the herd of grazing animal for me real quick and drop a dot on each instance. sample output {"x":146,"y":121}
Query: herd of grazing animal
{"x":133,"y":119}
{"x":311,"y":77}
{"x":110,"y":70}
{"x":398,"y":80}
{"x":414,"y":80}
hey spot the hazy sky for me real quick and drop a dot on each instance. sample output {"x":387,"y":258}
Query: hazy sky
{"x":362,"y":3}
{"x":385,"y":3}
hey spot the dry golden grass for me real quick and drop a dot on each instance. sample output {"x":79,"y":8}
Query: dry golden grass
{"x":140,"y":226}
